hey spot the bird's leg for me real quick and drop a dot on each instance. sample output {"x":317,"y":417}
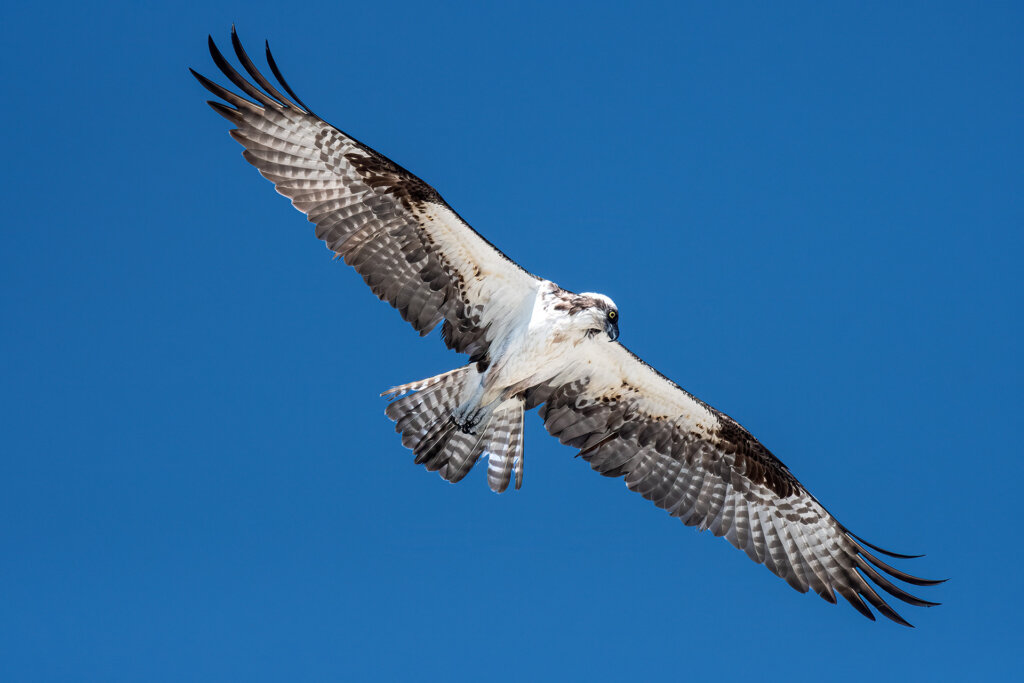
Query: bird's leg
{"x":468,"y":415}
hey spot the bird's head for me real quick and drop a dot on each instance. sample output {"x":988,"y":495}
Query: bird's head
{"x":600,"y":315}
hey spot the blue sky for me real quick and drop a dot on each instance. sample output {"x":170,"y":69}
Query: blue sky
{"x":809,"y":216}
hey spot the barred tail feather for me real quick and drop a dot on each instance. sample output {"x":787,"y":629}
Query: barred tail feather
{"x":504,"y":446}
{"x":423,"y":415}
{"x":456,"y":375}
{"x":463,"y":452}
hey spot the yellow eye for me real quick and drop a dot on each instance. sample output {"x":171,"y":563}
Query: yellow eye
{"x":612,"y":315}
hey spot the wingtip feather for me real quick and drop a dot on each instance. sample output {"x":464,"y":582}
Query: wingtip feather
{"x":899,"y":556}
{"x":282,"y":81}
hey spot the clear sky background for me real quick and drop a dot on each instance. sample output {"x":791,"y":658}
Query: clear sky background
{"x":810,"y":217}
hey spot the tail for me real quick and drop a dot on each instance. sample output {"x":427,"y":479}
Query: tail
{"x":424,"y":414}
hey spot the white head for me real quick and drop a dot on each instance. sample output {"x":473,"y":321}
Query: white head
{"x":600,"y":313}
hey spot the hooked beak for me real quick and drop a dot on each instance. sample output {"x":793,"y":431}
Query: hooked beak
{"x":612,"y":329}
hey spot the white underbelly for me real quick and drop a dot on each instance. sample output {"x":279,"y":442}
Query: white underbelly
{"x":530,"y":358}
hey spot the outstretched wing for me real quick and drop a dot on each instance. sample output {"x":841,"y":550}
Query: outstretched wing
{"x":412,"y":249}
{"x":703,"y":467}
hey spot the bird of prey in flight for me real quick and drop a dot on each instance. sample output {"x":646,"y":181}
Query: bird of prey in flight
{"x":531,"y":343}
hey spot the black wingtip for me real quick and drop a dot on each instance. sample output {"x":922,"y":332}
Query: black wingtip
{"x":254,"y":72}
{"x":236,"y":78}
{"x":894,"y":616}
{"x":901,"y":575}
{"x":227,"y":112}
{"x":890,"y":553}
{"x":284,"y":83}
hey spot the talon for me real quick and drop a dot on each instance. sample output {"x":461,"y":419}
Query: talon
{"x":467,"y":424}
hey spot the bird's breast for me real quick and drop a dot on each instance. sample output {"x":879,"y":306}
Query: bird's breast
{"x":532,"y":355}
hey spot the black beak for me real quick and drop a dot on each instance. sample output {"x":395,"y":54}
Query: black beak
{"x":612,"y":328}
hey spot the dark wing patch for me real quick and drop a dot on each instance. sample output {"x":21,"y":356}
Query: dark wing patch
{"x":704,"y":468}
{"x":379,"y":172}
{"x":409,"y":246}
{"x":759,"y":465}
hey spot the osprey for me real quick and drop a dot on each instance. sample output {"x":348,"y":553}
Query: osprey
{"x":531,"y":343}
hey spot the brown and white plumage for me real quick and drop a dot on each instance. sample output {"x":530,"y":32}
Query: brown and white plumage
{"x":701,"y":466}
{"x":533,"y":344}
{"x":412,"y":249}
